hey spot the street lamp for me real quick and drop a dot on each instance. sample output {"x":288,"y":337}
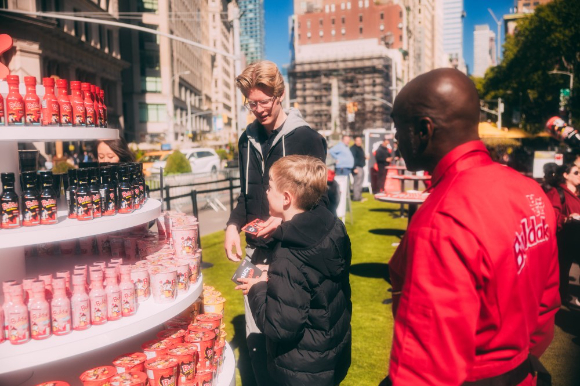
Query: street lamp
{"x":498,"y":43}
{"x":170,"y":104}
{"x":571,"y":75}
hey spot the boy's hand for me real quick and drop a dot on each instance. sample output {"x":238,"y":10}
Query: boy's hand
{"x":248,"y":282}
{"x":269,"y":227}
{"x":233,"y":239}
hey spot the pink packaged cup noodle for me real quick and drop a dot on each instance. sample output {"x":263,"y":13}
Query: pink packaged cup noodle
{"x":68,"y":247}
{"x":183,"y":273}
{"x":103,"y":245}
{"x":117,"y":246}
{"x":184,"y":241}
{"x":130,"y":244}
{"x":140,"y":278}
{"x":163,"y":284}
{"x":86,"y":245}
{"x":194,"y":263}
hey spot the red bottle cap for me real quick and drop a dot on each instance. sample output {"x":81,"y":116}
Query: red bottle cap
{"x":48,"y":82}
{"x":93,"y":88}
{"x":30,"y":80}
{"x":12,"y":79}
{"x":75,"y":85}
{"x":86,"y":86}
{"x":61,"y":83}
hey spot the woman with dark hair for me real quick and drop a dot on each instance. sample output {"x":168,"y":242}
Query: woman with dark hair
{"x":550,"y":177}
{"x":564,"y":198}
{"x":114,"y":151}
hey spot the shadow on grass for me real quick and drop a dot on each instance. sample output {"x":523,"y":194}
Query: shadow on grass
{"x":569,"y":322}
{"x":388,"y":232}
{"x":371,"y":270}
{"x":389,"y":210}
{"x":239,"y":341}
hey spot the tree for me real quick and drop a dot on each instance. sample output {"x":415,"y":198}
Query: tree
{"x":547,"y":40}
{"x":177,"y":164}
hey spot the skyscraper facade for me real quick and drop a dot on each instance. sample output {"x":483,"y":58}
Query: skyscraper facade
{"x":483,"y":49}
{"x":252,"y":34}
{"x":528,"y":6}
{"x":453,"y":13}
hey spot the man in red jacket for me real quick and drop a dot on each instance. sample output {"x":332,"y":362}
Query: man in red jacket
{"x":475,"y":279}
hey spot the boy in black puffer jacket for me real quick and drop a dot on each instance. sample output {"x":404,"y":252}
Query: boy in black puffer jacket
{"x":303,"y":306}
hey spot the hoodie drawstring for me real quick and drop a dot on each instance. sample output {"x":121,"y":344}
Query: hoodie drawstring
{"x":248,"y":168}
{"x":283,"y":147}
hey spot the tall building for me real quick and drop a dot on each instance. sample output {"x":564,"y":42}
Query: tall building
{"x":167,"y":90}
{"x":346,"y":57}
{"x":483,"y":49}
{"x":528,"y":6}
{"x":453,"y":14}
{"x":252,"y":34}
{"x":222,"y":83}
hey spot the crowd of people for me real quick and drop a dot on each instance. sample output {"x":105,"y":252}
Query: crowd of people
{"x":475,"y":281}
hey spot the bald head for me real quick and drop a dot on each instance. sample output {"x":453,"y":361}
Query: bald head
{"x":433,"y":114}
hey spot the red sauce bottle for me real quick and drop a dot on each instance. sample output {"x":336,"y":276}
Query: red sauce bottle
{"x":50,"y":107}
{"x":105,"y":116}
{"x":10,"y":213}
{"x":30,"y":200}
{"x":89,"y":105}
{"x":2,"y":115}
{"x":14,"y":102}
{"x":98,"y":118}
{"x":48,"y":205}
{"x":78,"y":104}
{"x":84,"y":197}
{"x":64,"y":103}
{"x":31,"y":102}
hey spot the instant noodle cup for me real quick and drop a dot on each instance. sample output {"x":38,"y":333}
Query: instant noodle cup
{"x":130,"y":244}
{"x":162,"y":370}
{"x":86,"y":245}
{"x":183,"y":275}
{"x":184,"y":240}
{"x":54,"y":383}
{"x":117,"y":246}
{"x":222,"y":338}
{"x":210,"y":294}
{"x":210,"y":321}
{"x":133,"y":378}
{"x":218,"y":352}
{"x":68,"y":247}
{"x":156,"y":348}
{"x":208,"y":288}
{"x":163,"y":284}
{"x":204,"y":342}
{"x":214,"y":305}
{"x":174,"y":336}
{"x":188,"y":357}
{"x":203,"y":378}
{"x":140,"y":278}
{"x":99,"y":376}
{"x":193,"y":263}
{"x":103,"y":245}
{"x":130,"y":362}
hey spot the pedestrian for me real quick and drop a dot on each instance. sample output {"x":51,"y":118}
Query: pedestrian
{"x":358,"y":153}
{"x":114,"y":151}
{"x":303,"y":306}
{"x":383,"y":159}
{"x":564,"y":198}
{"x":274,"y":134}
{"x":343,"y":157}
{"x":475,"y":279}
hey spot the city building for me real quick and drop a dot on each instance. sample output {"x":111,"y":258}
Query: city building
{"x":347,"y":64}
{"x":67,"y":49}
{"x":222,"y":83}
{"x":252,"y":34}
{"x":167,"y":89}
{"x":483,"y":49}
{"x":523,"y":9}
{"x":452,"y":34}
{"x":528,"y":6}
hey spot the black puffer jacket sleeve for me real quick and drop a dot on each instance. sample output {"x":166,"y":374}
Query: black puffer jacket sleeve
{"x":281,"y":306}
{"x":238,"y":215}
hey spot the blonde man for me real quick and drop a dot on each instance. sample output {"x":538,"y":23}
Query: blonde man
{"x":274,"y":134}
{"x":303,"y":306}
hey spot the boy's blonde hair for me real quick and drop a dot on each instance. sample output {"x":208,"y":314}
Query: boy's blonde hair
{"x":263,"y":74}
{"x":303,"y":176}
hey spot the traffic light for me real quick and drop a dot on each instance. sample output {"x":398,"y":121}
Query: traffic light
{"x":564,"y":98}
{"x":350,"y":108}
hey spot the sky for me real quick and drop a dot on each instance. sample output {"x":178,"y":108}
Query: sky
{"x":277,"y":13}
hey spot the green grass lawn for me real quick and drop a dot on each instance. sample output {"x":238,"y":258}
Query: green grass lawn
{"x":374,"y":231}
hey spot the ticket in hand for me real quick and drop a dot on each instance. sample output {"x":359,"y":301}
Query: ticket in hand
{"x":246,"y":269}
{"x":254,"y":227}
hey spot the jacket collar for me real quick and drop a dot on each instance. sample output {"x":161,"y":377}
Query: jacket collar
{"x":475,"y":151}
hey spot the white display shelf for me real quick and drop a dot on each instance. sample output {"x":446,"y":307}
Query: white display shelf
{"x":67,"y":229}
{"x":40,"y":352}
{"x":41,"y":134}
{"x":228,"y":373}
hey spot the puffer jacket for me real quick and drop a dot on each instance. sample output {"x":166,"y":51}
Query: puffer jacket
{"x":305,"y":308}
{"x":294,"y":138}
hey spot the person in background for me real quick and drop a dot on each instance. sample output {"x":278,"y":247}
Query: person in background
{"x":383,"y":159}
{"x":343,"y":157}
{"x":114,"y":151}
{"x":358,"y":153}
{"x":333,"y":192}
{"x":564,"y":199}
{"x":475,"y":279}
{"x":274,"y":134}
{"x":550,"y":180}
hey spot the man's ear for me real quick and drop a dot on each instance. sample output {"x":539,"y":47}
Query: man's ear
{"x":288,"y":199}
{"x":424,"y":130}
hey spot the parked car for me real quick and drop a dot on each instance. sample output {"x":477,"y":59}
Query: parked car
{"x":202,"y":160}
{"x":150,"y":158}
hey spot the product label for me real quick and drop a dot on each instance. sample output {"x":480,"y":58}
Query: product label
{"x":40,"y":324}
{"x":1,"y":110}
{"x":97,"y":207}
{"x":18,"y":328}
{"x":50,"y":111}
{"x":32,"y":112}
{"x":142,"y":287}
{"x":99,"y":309}
{"x":30,"y":212}
{"x":72,"y":204}
{"x":101,"y":117}
{"x":61,"y":323}
{"x":15,"y":110}
{"x":80,"y":314}
{"x":79,"y":113}
{"x":48,"y":211}
{"x":91,"y":115}
{"x":137,"y":200}
{"x":65,"y":113}
{"x":114,"y":305}
{"x":142,"y":194}
{"x":109,"y":202}
{"x":126,"y":200}
{"x":128,"y":296}
{"x":84,"y":207}
{"x":10,"y":214}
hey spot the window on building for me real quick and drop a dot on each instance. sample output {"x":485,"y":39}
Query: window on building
{"x":360,"y":18}
{"x":382,"y":16}
{"x":326,"y":8}
{"x":87,"y":32}
{"x":343,"y":31}
{"x":332,"y":21}
{"x":360,"y":31}
{"x":333,"y":32}
{"x":366,"y":3}
{"x":382,"y":27}
{"x":320,"y":33}
{"x":150,"y":112}
{"x":298,"y":25}
{"x":400,"y":38}
{"x":102,"y":37}
{"x":150,"y":60}
{"x":342,"y":6}
{"x":308,"y":35}
{"x":360,"y":3}
{"x":332,"y":8}
{"x":348,"y":5}
{"x":321,"y":22}
{"x":342,"y":19}
{"x":110,"y":41}
{"x":149,"y":6}
{"x":308,"y":24}
{"x":150,"y":84}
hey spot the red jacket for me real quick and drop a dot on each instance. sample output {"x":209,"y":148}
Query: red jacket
{"x":475,"y":279}
{"x":563,"y":211}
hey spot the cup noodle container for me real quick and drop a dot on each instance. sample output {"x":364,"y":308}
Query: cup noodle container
{"x":174,"y":336}
{"x":183,"y":275}
{"x":162,"y":371}
{"x":140,"y":278}
{"x":163,"y":284}
{"x":156,"y":348}
{"x":204,"y":378}
{"x":210,"y":321}
{"x":86,"y":245}
{"x":130,"y":362}
{"x":117,"y":245}
{"x":103,"y":245}
{"x":133,"y":378}
{"x":188,"y":357}
{"x":193,"y":262}
{"x":204,"y":341}
{"x":54,"y":383}
{"x":184,"y":240}
{"x":130,"y":247}
{"x":214,"y":305}
{"x":68,"y":247}
{"x":99,"y":376}
{"x":218,"y":358}
{"x":223,"y":335}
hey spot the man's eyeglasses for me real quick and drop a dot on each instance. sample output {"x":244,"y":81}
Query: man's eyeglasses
{"x":252,"y":105}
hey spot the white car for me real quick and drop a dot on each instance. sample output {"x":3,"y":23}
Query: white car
{"x":202,"y":161}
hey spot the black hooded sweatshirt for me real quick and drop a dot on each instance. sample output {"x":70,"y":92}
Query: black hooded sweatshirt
{"x":305,"y":309}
